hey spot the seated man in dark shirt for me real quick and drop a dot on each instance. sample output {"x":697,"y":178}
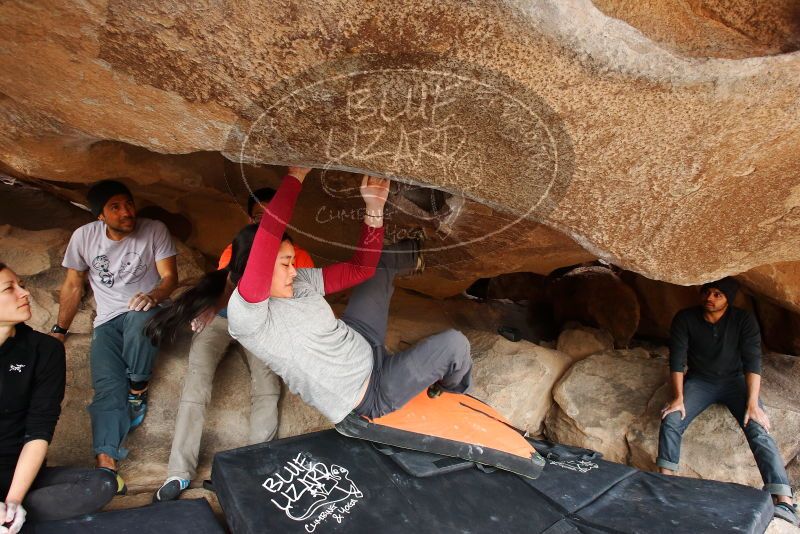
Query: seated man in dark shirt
{"x":32,"y":378}
{"x":721,"y":347}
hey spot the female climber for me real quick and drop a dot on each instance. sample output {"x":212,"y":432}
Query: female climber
{"x":33,"y":375}
{"x":340,"y":365}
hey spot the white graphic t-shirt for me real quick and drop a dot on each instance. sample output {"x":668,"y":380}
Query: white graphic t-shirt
{"x":119,"y":269}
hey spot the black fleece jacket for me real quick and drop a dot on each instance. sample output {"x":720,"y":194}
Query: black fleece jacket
{"x":32,"y":380}
{"x":726,"y":349}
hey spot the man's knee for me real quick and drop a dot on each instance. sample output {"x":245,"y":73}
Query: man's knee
{"x":673,"y":422}
{"x":754,"y":431}
{"x":135,"y":321}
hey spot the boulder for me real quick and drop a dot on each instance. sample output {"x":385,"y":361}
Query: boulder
{"x":44,"y":310}
{"x":713,"y":28}
{"x":793,"y":470}
{"x":582,"y":341}
{"x":518,"y":287}
{"x":780,"y":326}
{"x":595,"y":296}
{"x":72,"y":442}
{"x":190,"y":263}
{"x":600,"y":397}
{"x":779,"y":526}
{"x":659,"y":302}
{"x":516,"y":379}
{"x":780,"y":378}
{"x":32,"y":252}
{"x":32,"y":207}
{"x":779,"y":282}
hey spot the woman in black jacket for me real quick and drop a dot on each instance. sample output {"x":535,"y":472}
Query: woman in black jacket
{"x":32,"y":379}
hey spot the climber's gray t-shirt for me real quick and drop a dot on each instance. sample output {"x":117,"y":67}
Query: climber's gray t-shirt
{"x":119,"y":269}
{"x":319,"y":356}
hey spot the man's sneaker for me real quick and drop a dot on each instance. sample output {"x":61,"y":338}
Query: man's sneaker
{"x":137,"y":408}
{"x":787,"y":512}
{"x":122,"y":489}
{"x":170,"y":489}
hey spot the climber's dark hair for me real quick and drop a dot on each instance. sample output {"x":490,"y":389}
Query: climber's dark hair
{"x":164,"y":325}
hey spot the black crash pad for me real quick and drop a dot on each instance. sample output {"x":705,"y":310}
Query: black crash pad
{"x":190,"y":515}
{"x":327,"y":483}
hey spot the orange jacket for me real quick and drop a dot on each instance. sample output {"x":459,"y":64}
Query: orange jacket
{"x":302,"y":259}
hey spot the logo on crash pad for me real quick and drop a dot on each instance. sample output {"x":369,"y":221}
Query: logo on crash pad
{"x":312,"y":492}
{"x":581,"y":466}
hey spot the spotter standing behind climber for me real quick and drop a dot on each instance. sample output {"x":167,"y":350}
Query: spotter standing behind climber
{"x":715,"y":356}
{"x":33,"y":377}
{"x":131,"y":267}
{"x":204,"y":307}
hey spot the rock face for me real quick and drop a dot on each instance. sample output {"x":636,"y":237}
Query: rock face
{"x":582,"y":341}
{"x":659,"y":302}
{"x":32,"y":253}
{"x":778,"y":526}
{"x":793,"y":470}
{"x":571,"y":118}
{"x":713,"y":28}
{"x":517,"y":379}
{"x":600,"y":397}
{"x":780,"y":328}
{"x":779,"y":282}
{"x":523,"y":136}
{"x":781,"y":374}
{"x":596,"y":296}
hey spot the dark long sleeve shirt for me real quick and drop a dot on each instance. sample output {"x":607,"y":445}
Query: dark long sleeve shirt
{"x":32,"y":380}
{"x":725,"y":349}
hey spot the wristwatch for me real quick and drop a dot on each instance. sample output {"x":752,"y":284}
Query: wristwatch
{"x":58,"y":330}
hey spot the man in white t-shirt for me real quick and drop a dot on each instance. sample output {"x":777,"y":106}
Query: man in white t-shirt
{"x":131,"y":268}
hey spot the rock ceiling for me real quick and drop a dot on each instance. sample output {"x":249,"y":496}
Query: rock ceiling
{"x":660,"y":137}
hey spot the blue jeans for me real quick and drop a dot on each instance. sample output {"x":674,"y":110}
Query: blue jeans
{"x":120,"y":354}
{"x":699,"y":394}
